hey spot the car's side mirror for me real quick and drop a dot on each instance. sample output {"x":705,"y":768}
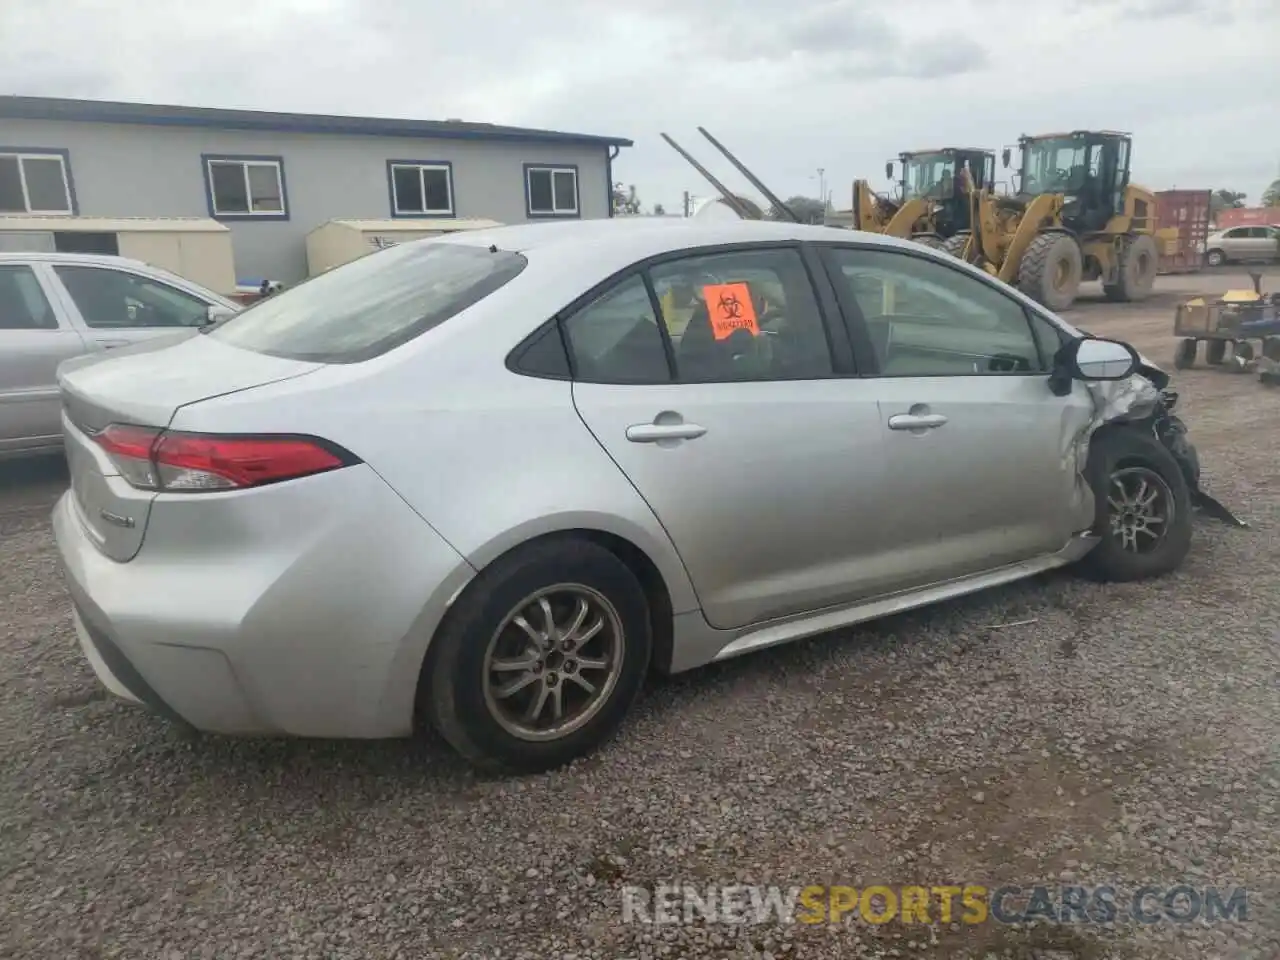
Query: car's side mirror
{"x":1005,"y":156}
{"x":215,"y":313}
{"x":1095,"y":359}
{"x":888,"y":170}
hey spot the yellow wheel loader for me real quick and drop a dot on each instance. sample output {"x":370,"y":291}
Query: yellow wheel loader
{"x":1075,"y":217}
{"x":932,"y":188}
{"x":933,"y":204}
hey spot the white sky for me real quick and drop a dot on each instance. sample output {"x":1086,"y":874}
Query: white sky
{"x":789,"y":85}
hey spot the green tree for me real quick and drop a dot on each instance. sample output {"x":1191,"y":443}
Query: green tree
{"x":807,"y":209}
{"x":659,"y":210}
{"x":1271,"y":196}
{"x":1225,"y":200}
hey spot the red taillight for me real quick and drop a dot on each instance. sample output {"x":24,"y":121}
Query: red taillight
{"x":130,"y":450}
{"x":159,"y":460}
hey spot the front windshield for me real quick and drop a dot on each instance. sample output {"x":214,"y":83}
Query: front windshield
{"x":1055,"y":165}
{"x":928,"y":175}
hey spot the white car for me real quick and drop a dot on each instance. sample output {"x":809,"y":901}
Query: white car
{"x":1243,"y":244}
{"x":54,"y":306}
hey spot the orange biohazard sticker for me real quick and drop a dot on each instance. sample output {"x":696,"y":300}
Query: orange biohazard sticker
{"x":730,"y":308}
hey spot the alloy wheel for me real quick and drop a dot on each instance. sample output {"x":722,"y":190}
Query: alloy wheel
{"x":554,"y":662}
{"x":1141,"y":508}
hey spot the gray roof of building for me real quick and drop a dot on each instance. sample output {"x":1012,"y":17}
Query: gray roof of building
{"x":152,"y":114}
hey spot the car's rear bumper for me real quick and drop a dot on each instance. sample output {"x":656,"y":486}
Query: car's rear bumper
{"x":302,"y":609}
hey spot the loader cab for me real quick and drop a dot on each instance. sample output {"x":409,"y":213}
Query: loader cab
{"x":932,"y":175}
{"x":1089,"y":168}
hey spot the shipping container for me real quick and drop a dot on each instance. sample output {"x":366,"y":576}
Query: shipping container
{"x":1187,"y":212}
{"x":1247,"y":217}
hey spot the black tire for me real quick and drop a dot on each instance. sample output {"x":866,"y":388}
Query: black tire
{"x":1215,"y":351}
{"x":1129,"y":454}
{"x":1185,"y":356}
{"x":1050,"y":270}
{"x":453,"y":689}
{"x":1242,"y":349}
{"x":955,"y":244}
{"x":1215,"y":258}
{"x":1271,"y":348}
{"x":1139,"y":263}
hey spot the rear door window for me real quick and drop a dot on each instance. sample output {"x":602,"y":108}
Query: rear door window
{"x":616,"y":339}
{"x":743,"y":315}
{"x":369,"y":306}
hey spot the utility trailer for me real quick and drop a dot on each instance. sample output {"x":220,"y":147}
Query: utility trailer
{"x":1234,"y":320}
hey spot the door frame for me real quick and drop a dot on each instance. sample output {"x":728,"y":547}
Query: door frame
{"x":65,"y":326}
{"x":843,"y":354}
{"x":72,"y":310}
{"x":855,"y":324}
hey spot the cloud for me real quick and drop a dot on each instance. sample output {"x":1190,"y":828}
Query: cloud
{"x":788,"y":85}
{"x":834,"y":28}
{"x":832,"y":40}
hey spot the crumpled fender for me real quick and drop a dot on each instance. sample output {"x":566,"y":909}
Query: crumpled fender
{"x":1143,"y":401}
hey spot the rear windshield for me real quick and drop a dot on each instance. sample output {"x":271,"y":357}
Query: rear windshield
{"x":371,"y":305}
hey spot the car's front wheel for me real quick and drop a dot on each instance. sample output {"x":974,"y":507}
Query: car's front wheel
{"x":540,"y":658}
{"x":1142,"y":506}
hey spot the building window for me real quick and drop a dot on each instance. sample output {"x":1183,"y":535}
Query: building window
{"x":551,"y":191}
{"x":421,"y":189}
{"x":246,"y":187}
{"x":35,"y":181}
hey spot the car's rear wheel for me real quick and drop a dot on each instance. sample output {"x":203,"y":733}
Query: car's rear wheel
{"x":1142,"y":507}
{"x":540,"y":658}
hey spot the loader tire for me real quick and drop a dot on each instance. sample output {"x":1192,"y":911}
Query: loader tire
{"x":1136,"y":271}
{"x":1050,"y":270}
{"x":955,"y":245}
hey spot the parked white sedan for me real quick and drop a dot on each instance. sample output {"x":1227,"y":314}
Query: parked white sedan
{"x":485,"y":481}
{"x":59,"y":305}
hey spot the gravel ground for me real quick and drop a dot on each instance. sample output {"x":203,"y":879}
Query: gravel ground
{"x":1052,"y":731}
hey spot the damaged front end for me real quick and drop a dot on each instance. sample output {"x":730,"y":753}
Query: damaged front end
{"x":1144,"y":401}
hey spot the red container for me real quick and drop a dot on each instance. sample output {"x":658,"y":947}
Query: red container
{"x":1188,"y":211}
{"x":1248,"y":217}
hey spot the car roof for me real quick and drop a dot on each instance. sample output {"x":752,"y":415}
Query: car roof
{"x":110,"y":260}
{"x":636,"y":238}
{"x":102,"y":259}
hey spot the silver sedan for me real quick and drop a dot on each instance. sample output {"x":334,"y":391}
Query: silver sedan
{"x":487,"y":482}
{"x":59,"y":305}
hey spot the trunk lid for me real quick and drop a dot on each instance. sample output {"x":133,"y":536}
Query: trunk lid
{"x":144,"y":385}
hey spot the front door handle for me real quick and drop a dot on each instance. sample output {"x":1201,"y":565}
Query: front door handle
{"x":657,"y":432}
{"x":916,"y":421}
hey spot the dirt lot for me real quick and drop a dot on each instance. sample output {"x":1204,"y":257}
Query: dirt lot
{"x":1049,"y":732}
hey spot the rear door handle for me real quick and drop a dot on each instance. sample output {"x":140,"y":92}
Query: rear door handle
{"x":916,"y":421}
{"x":655,"y":432}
